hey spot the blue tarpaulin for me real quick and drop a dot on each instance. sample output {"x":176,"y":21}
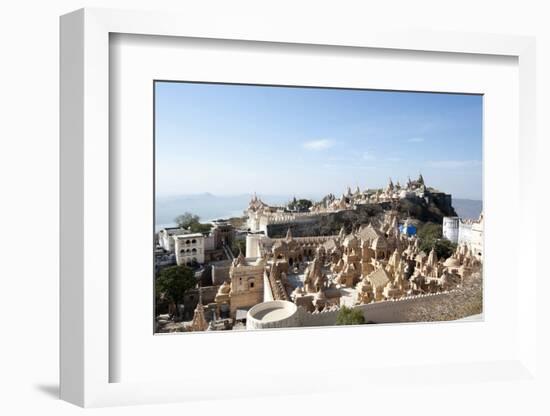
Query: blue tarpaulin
{"x":409,"y":229}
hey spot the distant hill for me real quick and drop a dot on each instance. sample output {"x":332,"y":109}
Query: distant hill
{"x":468,"y":208}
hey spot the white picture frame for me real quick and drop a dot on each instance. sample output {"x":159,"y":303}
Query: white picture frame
{"x":86,"y":353}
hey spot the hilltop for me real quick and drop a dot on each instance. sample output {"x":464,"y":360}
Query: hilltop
{"x":431,"y":208}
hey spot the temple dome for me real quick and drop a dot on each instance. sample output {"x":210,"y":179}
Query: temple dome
{"x":452,"y":262}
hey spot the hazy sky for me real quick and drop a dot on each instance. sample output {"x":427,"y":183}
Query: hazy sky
{"x":234,"y":139}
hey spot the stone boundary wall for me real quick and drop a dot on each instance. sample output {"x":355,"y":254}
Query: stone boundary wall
{"x":317,"y":319}
{"x":286,"y":219}
{"x":291,"y":215}
{"x":307,"y":240}
{"x":389,"y":311}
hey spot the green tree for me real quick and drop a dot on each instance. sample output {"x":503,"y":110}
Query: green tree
{"x":430,"y":236}
{"x":238,"y":245}
{"x":430,"y":231}
{"x":350,"y":316}
{"x":174,"y":281}
{"x":200,"y":228}
{"x":443,"y":248}
{"x":186,"y":220}
{"x":300,"y":205}
{"x":192,"y":222}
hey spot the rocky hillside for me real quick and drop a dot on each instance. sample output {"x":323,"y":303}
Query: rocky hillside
{"x":430,"y":209}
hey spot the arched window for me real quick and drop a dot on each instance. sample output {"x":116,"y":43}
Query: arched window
{"x":194,"y":250}
{"x":187,"y":242}
{"x":194,"y":241}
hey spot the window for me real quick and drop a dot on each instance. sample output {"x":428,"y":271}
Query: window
{"x":251,"y":285}
{"x":194,"y":241}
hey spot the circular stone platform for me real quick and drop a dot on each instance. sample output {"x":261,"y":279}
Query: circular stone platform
{"x":272,"y":314}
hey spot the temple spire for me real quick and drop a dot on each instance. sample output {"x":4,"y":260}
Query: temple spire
{"x":240,"y":257}
{"x":342,"y":233}
{"x":432,"y":257}
{"x":288,"y":234}
{"x":199,"y":321}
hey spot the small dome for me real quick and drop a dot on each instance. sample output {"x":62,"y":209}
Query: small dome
{"x":452,"y":262}
{"x":379,"y":243}
{"x":421,"y":256}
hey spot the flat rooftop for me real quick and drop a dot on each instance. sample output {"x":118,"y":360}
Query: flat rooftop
{"x":194,"y":235}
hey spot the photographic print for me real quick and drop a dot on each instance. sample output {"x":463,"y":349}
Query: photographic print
{"x":285,"y":206}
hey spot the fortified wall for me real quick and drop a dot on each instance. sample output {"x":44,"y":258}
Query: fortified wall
{"x":389,"y":311}
{"x":329,"y":223}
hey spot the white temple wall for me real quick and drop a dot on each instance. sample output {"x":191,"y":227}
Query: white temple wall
{"x":464,"y":233}
{"x":476,"y":240}
{"x":253,"y":245}
{"x":471,"y":234}
{"x":451,"y":228}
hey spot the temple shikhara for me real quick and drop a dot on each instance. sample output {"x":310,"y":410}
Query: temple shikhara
{"x":368,"y":250}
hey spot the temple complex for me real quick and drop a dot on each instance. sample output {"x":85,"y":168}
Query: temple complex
{"x":261,"y":216}
{"x":376,"y":262}
{"x":369,"y":264}
{"x":392,"y":192}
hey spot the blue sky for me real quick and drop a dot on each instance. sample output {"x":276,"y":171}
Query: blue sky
{"x":235,"y":139}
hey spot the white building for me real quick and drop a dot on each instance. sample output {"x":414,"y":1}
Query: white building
{"x":165,"y":236}
{"x":189,"y":248}
{"x":476,"y":238}
{"x":253,"y":242}
{"x":465,"y":232}
{"x":450,"y":228}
